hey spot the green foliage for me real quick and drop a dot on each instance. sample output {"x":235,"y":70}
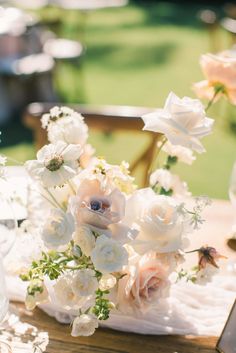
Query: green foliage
{"x":102,"y":305}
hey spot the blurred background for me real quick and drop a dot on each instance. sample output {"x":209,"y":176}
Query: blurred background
{"x":114,"y":52}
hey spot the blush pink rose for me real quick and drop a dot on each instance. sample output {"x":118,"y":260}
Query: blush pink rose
{"x":219,"y":70}
{"x":95,"y":206}
{"x":144,"y":284}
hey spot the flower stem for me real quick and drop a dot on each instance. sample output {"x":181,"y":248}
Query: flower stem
{"x":157,"y":154}
{"x":212,"y":100}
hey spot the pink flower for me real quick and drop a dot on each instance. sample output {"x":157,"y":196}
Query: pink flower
{"x":95,"y":206}
{"x":144,"y":284}
{"x":220,"y":71}
{"x":208,"y":255}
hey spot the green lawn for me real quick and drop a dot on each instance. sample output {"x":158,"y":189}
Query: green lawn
{"x":135,"y":56}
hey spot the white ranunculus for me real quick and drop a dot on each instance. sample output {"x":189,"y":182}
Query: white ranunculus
{"x":160,"y":225}
{"x":58,"y":229}
{"x":70,"y":129}
{"x":84,"y":325}
{"x":182,"y":121}
{"x":107,"y":282}
{"x":108,"y":255}
{"x":57,"y":113}
{"x":83,"y":236}
{"x":169,"y":182}
{"x":84,"y":283}
{"x":183,"y":154}
{"x":55,"y":164}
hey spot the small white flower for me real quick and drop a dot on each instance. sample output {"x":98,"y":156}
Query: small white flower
{"x":84,"y":237}
{"x":57,"y":229}
{"x":169,"y":182}
{"x":107,"y":282}
{"x":108,"y":255}
{"x":64,"y":292}
{"x":55,"y":164}
{"x":183,"y":154}
{"x":182,"y":121}
{"x":84,"y":283}
{"x":84,"y":325}
{"x":38,"y":298}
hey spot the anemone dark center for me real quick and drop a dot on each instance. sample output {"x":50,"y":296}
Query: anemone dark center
{"x":54,"y":163}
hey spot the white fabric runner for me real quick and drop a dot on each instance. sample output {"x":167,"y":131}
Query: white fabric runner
{"x":190,"y":309}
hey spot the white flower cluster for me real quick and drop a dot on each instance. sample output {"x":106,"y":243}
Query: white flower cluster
{"x":107,"y":244}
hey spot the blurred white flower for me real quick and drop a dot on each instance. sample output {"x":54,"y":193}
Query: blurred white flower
{"x":110,"y":176}
{"x":87,"y":156}
{"x":182,"y":121}
{"x":55,"y":164}
{"x":108,"y":255}
{"x":3,"y":161}
{"x":84,"y":325}
{"x":160,"y":225}
{"x":107,"y":282}
{"x":169,"y":182}
{"x":183,"y":154}
{"x":58,"y":229}
{"x":38,"y":298}
{"x":84,"y":238}
{"x":84,"y":283}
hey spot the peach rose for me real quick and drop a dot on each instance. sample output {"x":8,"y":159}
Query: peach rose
{"x":219,"y":70}
{"x":144,"y":284}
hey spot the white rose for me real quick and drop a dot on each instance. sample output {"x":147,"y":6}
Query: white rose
{"x":161,"y":227}
{"x":169,"y":182}
{"x":84,"y":283}
{"x":84,"y":237}
{"x":182,"y":121}
{"x":58,"y":229}
{"x":55,"y":164}
{"x":70,"y":129}
{"x":84,"y":325}
{"x":107,"y":282}
{"x":108,"y":255}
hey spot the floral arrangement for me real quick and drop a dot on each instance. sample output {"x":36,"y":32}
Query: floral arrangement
{"x":107,"y":245}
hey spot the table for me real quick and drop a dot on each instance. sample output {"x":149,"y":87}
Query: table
{"x":220,"y":217}
{"x":109,"y":341}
